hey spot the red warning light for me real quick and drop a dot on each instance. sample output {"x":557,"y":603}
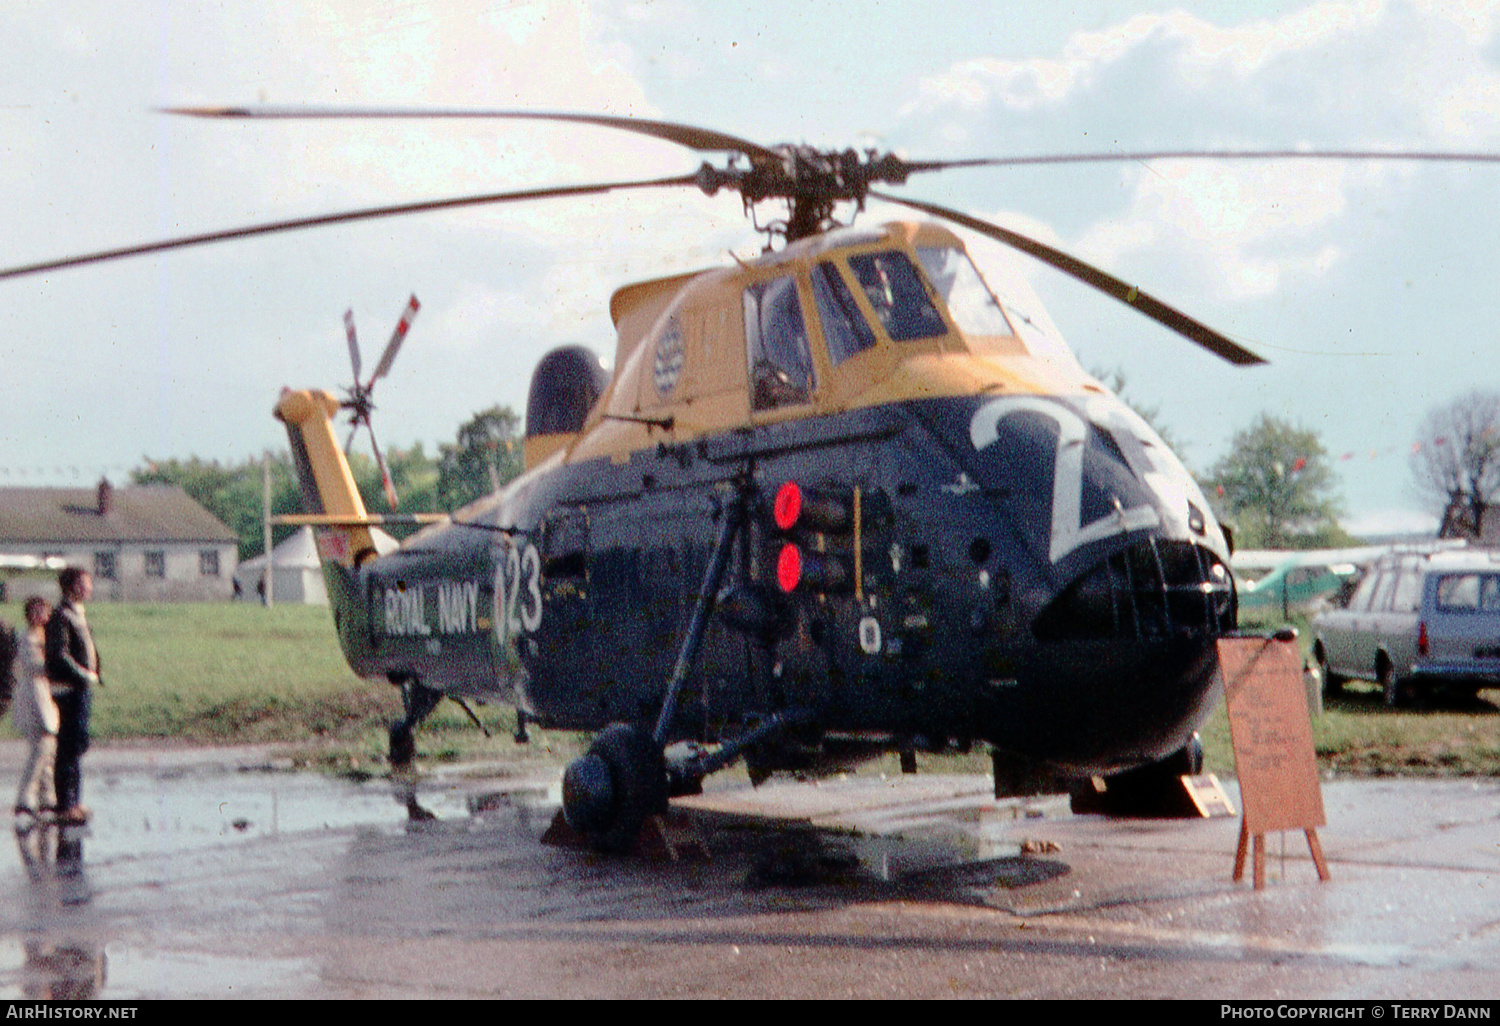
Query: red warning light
{"x":788,"y":506}
{"x":788,"y":566}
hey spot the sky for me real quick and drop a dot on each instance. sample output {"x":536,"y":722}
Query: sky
{"x":1368,"y":286}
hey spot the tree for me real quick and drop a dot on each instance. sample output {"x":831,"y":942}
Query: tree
{"x":1277,"y":485}
{"x":234,"y":493}
{"x":486,"y":456}
{"x":1456,"y":459}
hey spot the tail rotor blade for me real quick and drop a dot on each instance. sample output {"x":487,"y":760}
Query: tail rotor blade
{"x":353,"y":343}
{"x":385,"y":474}
{"x":394,"y":345}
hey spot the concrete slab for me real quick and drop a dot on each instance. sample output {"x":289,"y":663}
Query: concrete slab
{"x":206,"y":874}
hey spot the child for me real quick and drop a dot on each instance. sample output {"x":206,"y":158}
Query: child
{"x":36,"y":718}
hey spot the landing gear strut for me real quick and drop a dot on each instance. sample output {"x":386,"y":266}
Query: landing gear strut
{"x":609,"y":792}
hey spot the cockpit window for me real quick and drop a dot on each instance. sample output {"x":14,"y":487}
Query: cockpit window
{"x":844,"y":327}
{"x":781,"y":369}
{"x":896,"y":292}
{"x":973,"y":306}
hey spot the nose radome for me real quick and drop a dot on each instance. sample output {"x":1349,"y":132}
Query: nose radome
{"x":1155,"y":588}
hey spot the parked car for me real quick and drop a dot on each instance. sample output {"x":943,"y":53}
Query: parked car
{"x":1415,"y":622}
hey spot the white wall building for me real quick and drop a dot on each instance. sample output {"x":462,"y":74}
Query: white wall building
{"x":149,"y":543}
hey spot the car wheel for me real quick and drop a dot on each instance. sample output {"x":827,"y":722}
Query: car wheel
{"x":1333,"y":683}
{"x":1390,"y":686}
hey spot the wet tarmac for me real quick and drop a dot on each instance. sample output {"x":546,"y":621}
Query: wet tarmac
{"x":211,"y":873}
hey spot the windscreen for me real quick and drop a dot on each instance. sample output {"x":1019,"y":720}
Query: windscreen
{"x":974,"y":309}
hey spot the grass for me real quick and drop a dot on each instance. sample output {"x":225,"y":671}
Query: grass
{"x":1357,"y":735}
{"x":241,"y":674}
{"x":231,"y":673}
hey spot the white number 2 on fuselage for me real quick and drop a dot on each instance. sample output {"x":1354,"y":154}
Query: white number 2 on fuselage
{"x":1068,"y":530}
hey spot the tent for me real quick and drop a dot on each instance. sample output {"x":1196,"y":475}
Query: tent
{"x":297,"y":577}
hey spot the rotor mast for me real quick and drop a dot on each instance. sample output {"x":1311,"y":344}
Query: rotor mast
{"x":811,"y":181}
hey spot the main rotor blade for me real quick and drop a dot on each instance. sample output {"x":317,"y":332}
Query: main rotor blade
{"x":353,"y":343}
{"x":1152,"y":307}
{"x":397,"y":337}
{"x":366,"y":214}
{"x":1142,"y":156}
{"x":704,"y":140}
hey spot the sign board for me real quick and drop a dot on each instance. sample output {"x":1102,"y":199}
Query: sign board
{"x":1271,"y":732}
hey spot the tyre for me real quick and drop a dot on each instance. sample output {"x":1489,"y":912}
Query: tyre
{"x":608,"y":793}
{"x":1152,"y":789}
{"x":403,"y":746}
{"x":1333,"y":683}
{"x":1392,"y":689}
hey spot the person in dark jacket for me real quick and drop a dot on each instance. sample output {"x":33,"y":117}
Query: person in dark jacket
{"x":73,"y":668}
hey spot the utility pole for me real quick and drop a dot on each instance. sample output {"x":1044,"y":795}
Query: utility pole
{"x":268,"y":572}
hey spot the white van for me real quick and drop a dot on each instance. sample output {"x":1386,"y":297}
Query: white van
{"x":1416,"y":621}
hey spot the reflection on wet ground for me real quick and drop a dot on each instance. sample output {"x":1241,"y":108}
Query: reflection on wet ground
{"x":201,"y":878}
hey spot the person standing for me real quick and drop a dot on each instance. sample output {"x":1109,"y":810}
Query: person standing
{"x":73,"y":667}
{"x":35,"y":716}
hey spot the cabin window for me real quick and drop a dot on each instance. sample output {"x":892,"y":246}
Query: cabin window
{"x":781,"y":369}
{"x":972,"y":305}
{"x":156,"y":564}
{"x":844,"y":327}
{"x":670,"y":353}
{"x":1361,"y":601}
{"x":208,"y":562}
{"x":1468,"y":593}
{"x":104,"y":566}
{"x":896,"y":292}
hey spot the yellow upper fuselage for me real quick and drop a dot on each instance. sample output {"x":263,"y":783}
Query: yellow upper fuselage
{"x":684,"y":364}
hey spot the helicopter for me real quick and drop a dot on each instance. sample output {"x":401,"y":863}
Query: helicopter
{"x":833,"y":502}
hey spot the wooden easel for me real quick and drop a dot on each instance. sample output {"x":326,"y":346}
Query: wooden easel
{"x":1271,"y":733}
{"x":1260,"y":856}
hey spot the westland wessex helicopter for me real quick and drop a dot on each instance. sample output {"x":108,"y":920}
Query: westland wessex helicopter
{"x":833,"y":502}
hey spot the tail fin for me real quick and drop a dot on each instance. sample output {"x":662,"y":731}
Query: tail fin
{"x":324,"y":476}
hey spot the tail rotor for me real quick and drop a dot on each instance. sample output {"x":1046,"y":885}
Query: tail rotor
{"x":359,"y":400}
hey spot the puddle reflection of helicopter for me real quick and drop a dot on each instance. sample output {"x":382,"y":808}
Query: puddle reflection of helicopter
{"x":834,"y":501}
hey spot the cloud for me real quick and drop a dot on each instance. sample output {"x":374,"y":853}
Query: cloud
{"x":1333,"y":75}
{"x":1246,"y":225}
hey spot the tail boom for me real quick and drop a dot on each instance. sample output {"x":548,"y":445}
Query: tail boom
{"x":323,"y":473}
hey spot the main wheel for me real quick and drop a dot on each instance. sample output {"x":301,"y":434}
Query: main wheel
{"x":608,"y":793}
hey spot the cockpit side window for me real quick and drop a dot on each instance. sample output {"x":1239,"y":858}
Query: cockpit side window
{"x":781,"y":368}
{"x":896,"y":292}
{"x":970,"y":302}
{"x":844,"y":327}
